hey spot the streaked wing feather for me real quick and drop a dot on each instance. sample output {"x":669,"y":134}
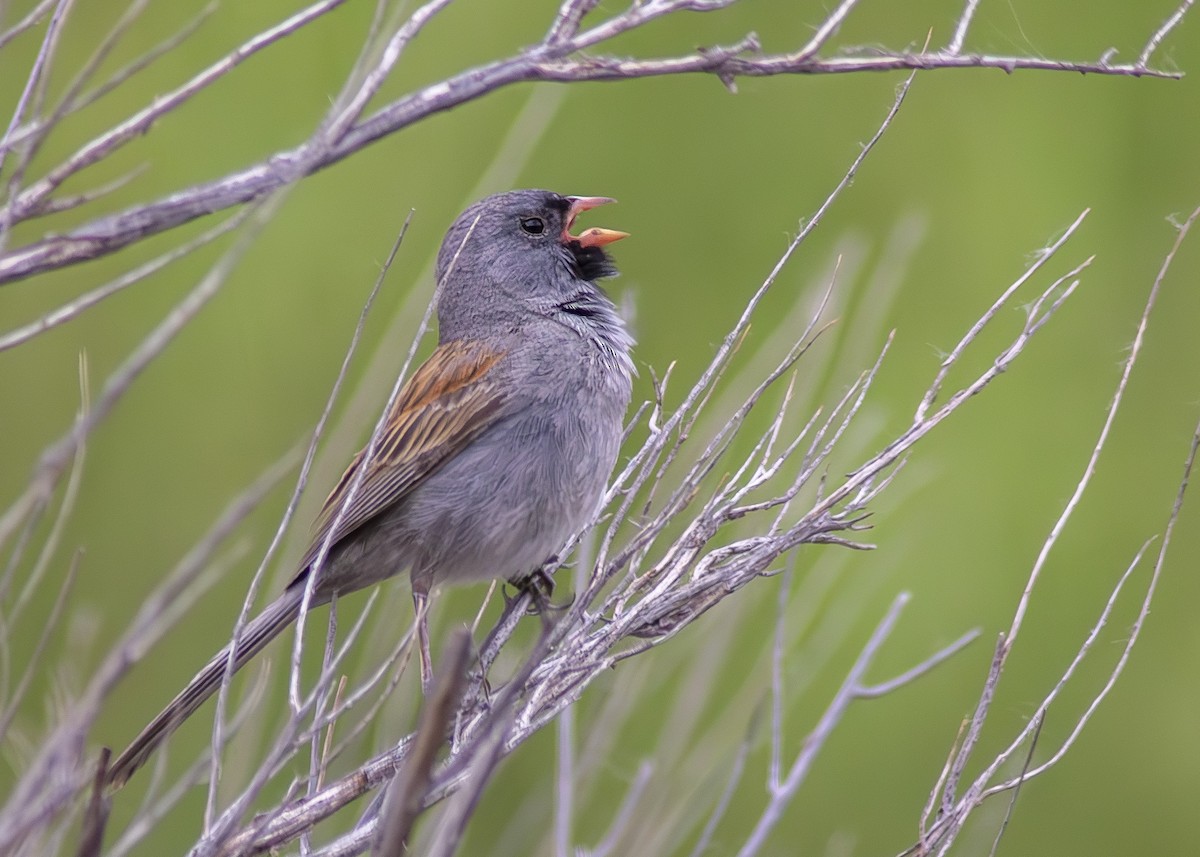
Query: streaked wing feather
{"x":445,"y":405}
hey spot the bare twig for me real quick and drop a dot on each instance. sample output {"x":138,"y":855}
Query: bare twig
{"x":1016,"y":792}
{"x":96,"y":816}
{"x":960,"y":29}
{"x":405,"y":796}
{"x":624,"y":814}
{"x":30,"y":20}
{"x":781,"y":793}
{"x":1155,"y":41}
{"x":73,"y":308}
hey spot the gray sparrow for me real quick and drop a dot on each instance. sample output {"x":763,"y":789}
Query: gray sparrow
{"x":498,"y":447}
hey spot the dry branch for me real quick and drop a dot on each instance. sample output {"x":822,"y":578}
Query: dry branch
{"x":566,"y":54}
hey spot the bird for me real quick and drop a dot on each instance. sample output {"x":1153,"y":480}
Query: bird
{"x":498,"y":447}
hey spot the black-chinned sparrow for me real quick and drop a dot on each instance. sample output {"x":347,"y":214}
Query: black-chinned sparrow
{"x":497,"y":449}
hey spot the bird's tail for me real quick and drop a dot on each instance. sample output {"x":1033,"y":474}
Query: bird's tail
{"x":255,"y":636}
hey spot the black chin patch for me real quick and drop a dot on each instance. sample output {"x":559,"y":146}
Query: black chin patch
{"x":591,"y":263}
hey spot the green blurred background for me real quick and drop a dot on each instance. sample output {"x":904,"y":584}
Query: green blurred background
{"x":979,"y":170}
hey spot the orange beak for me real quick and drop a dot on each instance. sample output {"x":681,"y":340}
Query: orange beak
{"x":594,"y":237}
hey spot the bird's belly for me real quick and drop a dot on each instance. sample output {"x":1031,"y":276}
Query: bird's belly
{"x":508,"y":502}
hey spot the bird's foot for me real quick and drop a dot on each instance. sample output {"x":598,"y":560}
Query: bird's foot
{"x":540,"y":587}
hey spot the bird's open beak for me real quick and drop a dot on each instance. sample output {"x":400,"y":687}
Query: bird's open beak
{"x":594,"y":237}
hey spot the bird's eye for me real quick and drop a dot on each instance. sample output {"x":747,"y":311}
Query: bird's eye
{"x":533,"y":225}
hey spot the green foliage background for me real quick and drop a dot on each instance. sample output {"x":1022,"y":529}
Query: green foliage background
{"x":982,"y":167}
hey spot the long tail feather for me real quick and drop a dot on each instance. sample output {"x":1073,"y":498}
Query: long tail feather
{"x":277,"y":616}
